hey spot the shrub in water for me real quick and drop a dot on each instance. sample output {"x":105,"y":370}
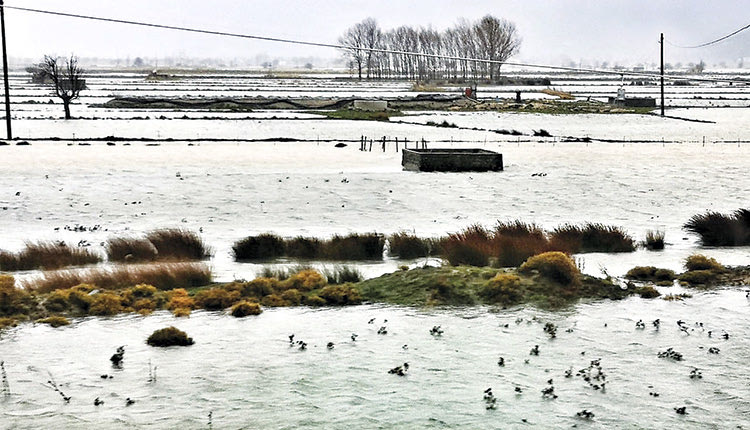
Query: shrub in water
{"x":260,"y":287}
{"x":407,"y":246}
{"x":179,"y":299}
{"x":178,"y":244}
{"x":215,"y":299}
{"x":340,"y":295}
{"x":554,"y":265}
{"x":130,"y":250}
{"x":6,"y":322}
{"x":701,"y":262}
{"x":245,"y":308}
{"x":54,"y":321}
{"x":181,"y":312}
{"x":313,"y":300}
{"x":647,"y":292}
{"x":292,"y":296}
{"x":641,"y":272}
{"x":273,"y":301}
{"x":106,"y":303}
{"x":504,"y":288}
{"x":264,"y":246}
{"x":14,"y":301}
{"x":664,"y":275}
{"x":170,"y":336}
{"x":717,"y":229}
{"x":698,"y":277}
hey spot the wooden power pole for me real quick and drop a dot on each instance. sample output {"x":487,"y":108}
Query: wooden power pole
{"x":5,"y":71}
{"x":661,"y":42}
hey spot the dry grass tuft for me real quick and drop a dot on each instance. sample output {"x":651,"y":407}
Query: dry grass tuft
{"x":164,"y":276}
{"x":717,"y":229}
{"x":47,"y":256}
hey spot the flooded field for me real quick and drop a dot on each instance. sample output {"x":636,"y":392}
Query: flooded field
{"x":656,"y":175}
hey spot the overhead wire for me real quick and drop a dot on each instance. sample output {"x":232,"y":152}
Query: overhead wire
{"x":377,"y":50}
{"x":711,"y":42}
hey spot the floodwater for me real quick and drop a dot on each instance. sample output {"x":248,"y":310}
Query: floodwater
{"x":244,"y":372}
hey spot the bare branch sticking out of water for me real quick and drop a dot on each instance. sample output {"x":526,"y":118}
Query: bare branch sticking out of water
{"x":53,"y":385}
{"x":6,"y":385}
{"x":151,"y":373}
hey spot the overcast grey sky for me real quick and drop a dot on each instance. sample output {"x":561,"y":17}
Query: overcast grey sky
{"x":552,"y":31}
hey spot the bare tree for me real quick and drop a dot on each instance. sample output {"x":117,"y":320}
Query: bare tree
{"x":67,"y":78}
{"x":497,"y":40}
{"x":354,"y":42}
{"x":360,"y":40}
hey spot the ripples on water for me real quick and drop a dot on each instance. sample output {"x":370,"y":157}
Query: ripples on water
{"x":246,"y":373}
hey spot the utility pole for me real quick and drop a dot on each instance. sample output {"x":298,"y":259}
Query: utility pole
{"x":661,"y":42}
{"x":5,"y":72}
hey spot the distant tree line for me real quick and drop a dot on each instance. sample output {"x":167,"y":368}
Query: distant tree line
{"x":489,"y":38}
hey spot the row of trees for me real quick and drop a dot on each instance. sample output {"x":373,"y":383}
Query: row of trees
{"x":489,"y":38}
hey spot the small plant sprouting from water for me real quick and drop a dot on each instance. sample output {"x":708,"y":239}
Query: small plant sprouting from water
{"x":53,"y":385}
{"x":6,"y":385}
{"x":151,"y":373}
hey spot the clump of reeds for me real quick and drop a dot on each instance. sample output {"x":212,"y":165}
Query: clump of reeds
{"x":717,"y":229}
{"x":47,"y":256}
{"x":178,"y":244}
{"x":471,"y":246}
{"x":591,"y":237}
{"x":408,"y":246}
{"x":303,"y":247}
{"x":515,"y":241}
{"x":131,"y":250}
{"x":164,"y":276}
{"x":343,"y":274}
{"x":368,"y":246}
{"x":163,"y":244}
{"x":263,"y":246}
{"x":354,"y":246}
{"x":169,"y":336}
{"x":654,"y":240}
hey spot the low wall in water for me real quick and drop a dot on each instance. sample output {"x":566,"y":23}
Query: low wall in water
{"x":451,"y":160}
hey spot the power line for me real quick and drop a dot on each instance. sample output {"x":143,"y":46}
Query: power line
{"x":713,"y":41}
{"x":348,"y":47}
